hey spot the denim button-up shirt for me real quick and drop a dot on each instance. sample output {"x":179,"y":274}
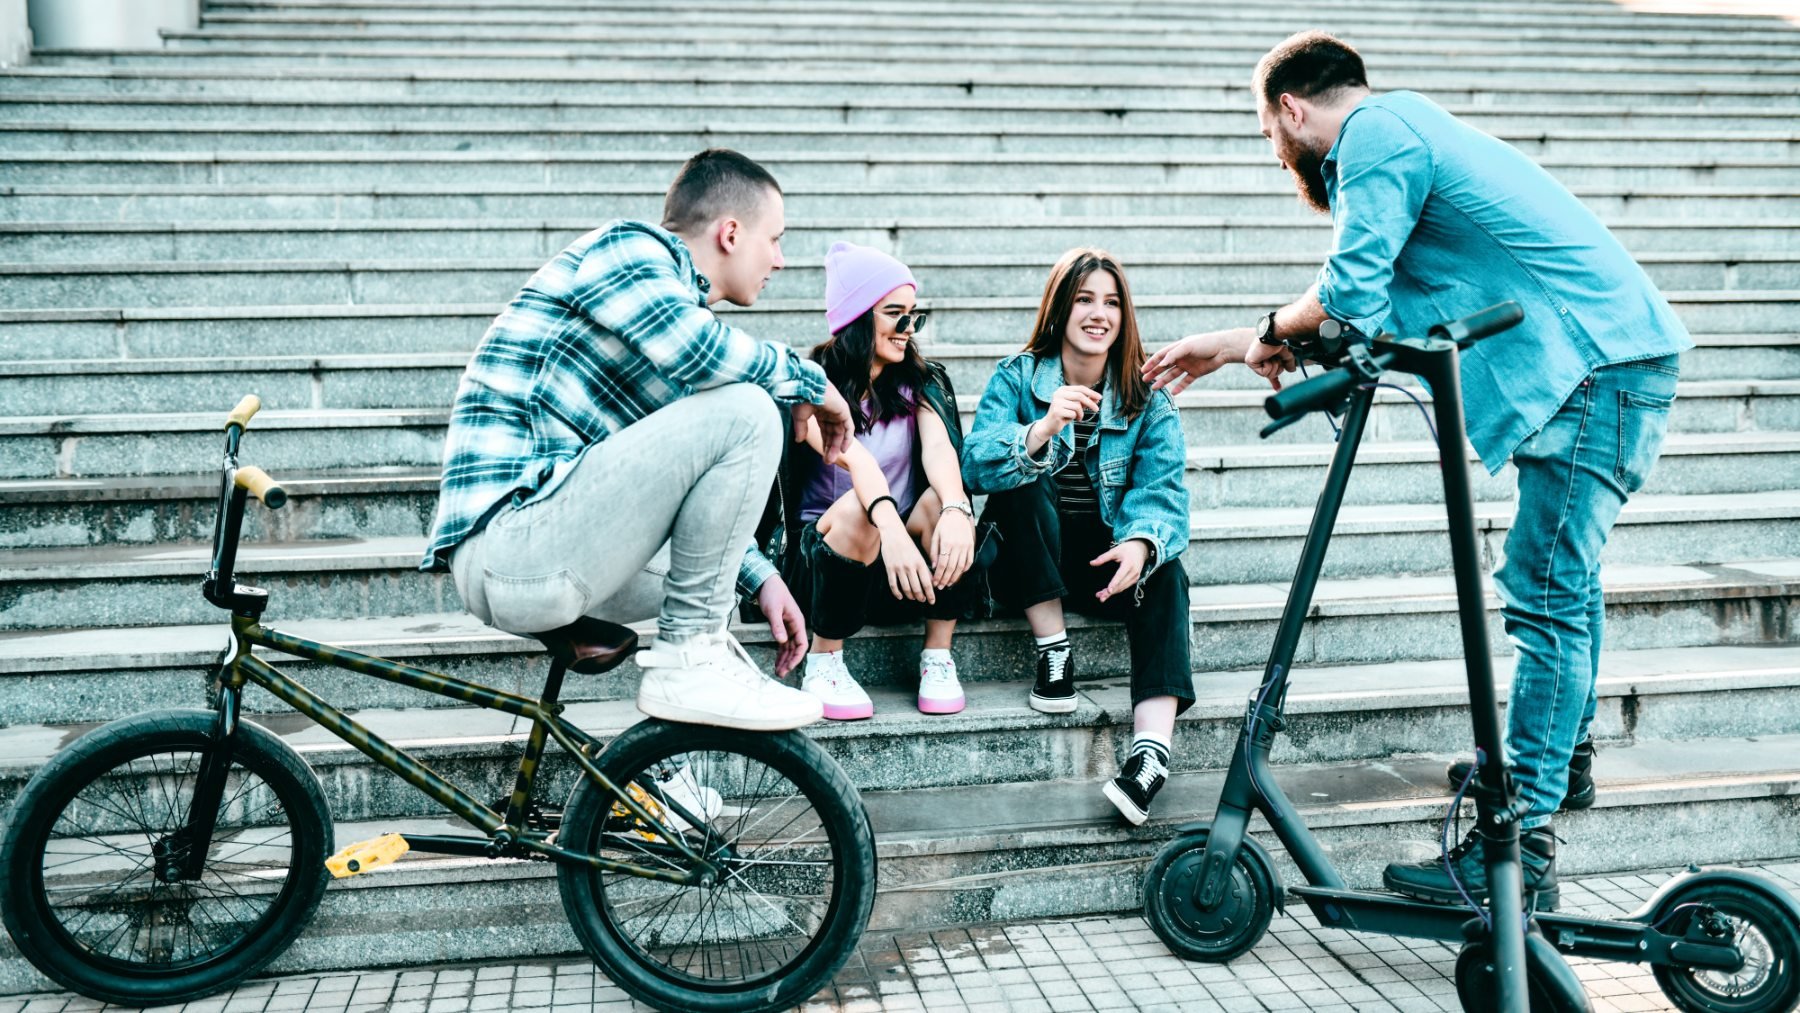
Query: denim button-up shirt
{"x":1434,"y":220}
{"x":1136,"y":464}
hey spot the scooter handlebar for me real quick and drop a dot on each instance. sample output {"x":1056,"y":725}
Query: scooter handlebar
{"x":1480,"y":324}
{"x":1321,"y":391}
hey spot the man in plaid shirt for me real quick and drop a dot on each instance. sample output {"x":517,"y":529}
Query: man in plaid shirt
{"x":612,"y":437}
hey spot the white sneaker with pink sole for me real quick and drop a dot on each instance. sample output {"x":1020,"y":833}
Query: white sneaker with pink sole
{"x":940,"y":691}
{"x":828,"y":679}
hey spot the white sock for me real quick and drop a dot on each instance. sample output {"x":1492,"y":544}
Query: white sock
{"x":1157,"y":744}
{"x":1058,"y":639}
{"x":935,"y":654}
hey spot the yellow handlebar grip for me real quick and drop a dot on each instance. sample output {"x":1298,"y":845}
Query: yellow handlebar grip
{"x":257,"y":483}
{"x":240,"y":416}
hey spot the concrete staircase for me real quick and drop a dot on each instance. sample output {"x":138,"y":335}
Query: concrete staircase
{"x":325,"y":201}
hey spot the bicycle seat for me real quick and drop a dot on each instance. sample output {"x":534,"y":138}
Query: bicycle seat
{"x":590,"y":646}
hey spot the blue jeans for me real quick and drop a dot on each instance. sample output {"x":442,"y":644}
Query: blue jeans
{"x":1575,"y":474}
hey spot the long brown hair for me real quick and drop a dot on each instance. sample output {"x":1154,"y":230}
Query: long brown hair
{"x":1125,"y":359}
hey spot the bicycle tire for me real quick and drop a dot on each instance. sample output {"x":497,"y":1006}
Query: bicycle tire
{"x":848,"y":839}
{"x":58,"y":797}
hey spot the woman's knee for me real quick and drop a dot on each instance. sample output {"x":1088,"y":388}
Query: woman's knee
{"x":847,"y":530}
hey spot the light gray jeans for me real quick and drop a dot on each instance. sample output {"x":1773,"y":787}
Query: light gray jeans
{"x":653,"y":520}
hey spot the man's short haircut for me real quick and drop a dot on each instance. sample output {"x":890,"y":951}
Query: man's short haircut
{"x":716,"y":183}
{"x":1309,"y":65}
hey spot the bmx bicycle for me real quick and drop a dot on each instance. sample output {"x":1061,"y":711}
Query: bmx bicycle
{"x":172,"y":854}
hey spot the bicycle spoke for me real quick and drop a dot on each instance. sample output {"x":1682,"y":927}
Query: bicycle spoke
{"x":770,"y":897}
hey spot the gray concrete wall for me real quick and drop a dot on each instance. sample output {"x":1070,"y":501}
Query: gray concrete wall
{"x":108,"y":24}
{"x":15,"y":33}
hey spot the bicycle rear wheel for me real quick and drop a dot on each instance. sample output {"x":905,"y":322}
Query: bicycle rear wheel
{"x":91,"y":893}
{"x":798,"y":857}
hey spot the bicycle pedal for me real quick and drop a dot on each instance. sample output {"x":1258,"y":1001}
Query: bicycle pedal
{"x":621,"y":815}
{"x":365,"y":855}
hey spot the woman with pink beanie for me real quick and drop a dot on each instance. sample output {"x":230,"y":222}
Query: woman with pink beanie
{"x":887,"y":535}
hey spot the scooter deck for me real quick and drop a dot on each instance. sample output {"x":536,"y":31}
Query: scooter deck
{"x":1630,"y":939}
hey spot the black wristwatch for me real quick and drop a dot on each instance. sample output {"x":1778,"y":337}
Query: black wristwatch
{"x":1265,"y":329}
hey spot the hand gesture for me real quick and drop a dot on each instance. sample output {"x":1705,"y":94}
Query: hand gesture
{"x":835,"y":424}
{"x":1131,"y":555}
{"x":952,"y":548}
{"x":786,"y":623}
{"x":1066,"y":405}
{"x":1270,"y":361}
{"x":1180,"y":363}
{"x":908,"y":576}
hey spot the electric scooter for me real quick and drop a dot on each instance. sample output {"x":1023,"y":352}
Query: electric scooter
{"x":1717,"y":940}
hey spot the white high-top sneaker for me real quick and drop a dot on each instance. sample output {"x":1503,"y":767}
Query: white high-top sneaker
{"x":710,"y":680}
{"x":836,"y":689}
{"x":940,"y":691}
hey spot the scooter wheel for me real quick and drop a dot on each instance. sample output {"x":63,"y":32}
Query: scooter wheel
{"x":1766,"y":933}
{"x":1223,"y":931}
{"x":1549,"y":981}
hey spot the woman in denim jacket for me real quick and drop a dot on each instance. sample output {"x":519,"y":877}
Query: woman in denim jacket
{"x":1083,"y":464}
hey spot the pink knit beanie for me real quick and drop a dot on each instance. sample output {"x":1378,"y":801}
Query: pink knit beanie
{"x":857,"y":276}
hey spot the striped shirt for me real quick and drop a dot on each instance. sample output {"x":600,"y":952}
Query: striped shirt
{"x":615,"y":327}
{"x":1074,"y":487}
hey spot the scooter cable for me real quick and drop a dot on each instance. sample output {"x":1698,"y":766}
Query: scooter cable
{"x":1455,"y":813}
{"x":1337,"y":431}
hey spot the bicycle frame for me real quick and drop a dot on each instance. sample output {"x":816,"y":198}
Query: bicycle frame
{"x":504,"y":840}
{"x":506,"y":836}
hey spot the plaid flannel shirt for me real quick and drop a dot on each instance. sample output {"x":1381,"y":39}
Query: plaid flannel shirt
{"x":614,"y":328}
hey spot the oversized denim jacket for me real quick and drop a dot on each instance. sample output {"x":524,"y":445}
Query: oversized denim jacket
{"x":1136,"y":464}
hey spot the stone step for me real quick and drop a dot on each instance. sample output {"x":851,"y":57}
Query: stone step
{"x":811,"y":85}
{"x":379,"y":502}
{"x":137,"y":585}
{"x":94,"y":445}
{"x":105,"y":140}
{"x":109,"y":445}
{"x":282,"y":54}
{"x":129,"y":584}
{"x":303,"y":282}
{"x":1537,"y":35}
{"x":1557,"y":13}
{"x":52,"y":105}
{"x":1040,"y":848}
{"x":396,"y":328}
{"x":1336,"y":714}
{"x":519,"y":169}
{"x":1239,"y":192}
{"x":1406,"y":71}
{"x":911,"y":238}
{"x":30,"y":387}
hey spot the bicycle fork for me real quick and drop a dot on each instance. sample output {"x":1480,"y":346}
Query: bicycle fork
{"x":182,"y":855}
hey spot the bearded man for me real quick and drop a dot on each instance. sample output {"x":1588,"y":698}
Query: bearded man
{"x":1432,"y":220}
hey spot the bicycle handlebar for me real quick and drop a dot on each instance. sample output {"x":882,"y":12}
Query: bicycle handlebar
{"x":240,"y":416}
{"x":257,"y":482}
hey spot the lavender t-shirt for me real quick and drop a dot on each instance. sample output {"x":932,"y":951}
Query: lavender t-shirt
{"x":890,"y":441}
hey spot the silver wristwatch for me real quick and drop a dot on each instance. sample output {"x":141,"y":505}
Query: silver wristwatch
{"x":963,"y":508}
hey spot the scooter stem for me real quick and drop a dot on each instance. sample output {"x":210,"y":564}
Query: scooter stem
{"x":1435,"y":360}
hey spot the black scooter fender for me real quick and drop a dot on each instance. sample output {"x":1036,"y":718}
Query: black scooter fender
{"x":1656,"y":907}
{"x":1252,"y":844}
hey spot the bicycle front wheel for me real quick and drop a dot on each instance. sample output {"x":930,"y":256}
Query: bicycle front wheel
{"x":794,"y":844}
{"x":93,"y":891}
